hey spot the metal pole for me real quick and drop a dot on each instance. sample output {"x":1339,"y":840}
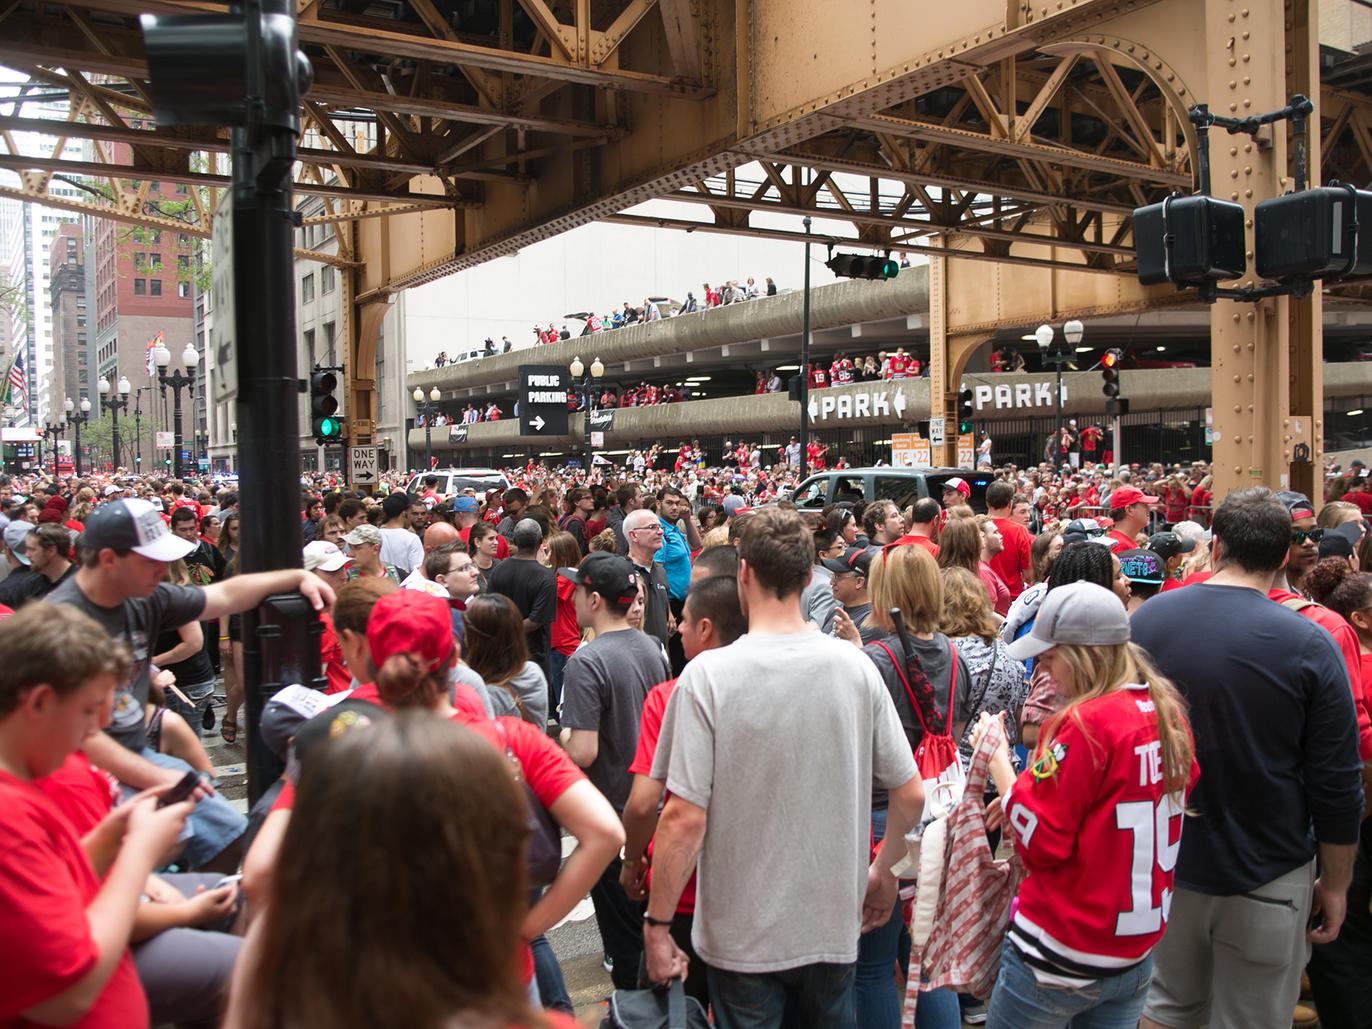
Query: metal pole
{"x":1057,"y":360}
{"x":263,"y":220}
{"x":138,"y":431}
{"x":586,"y":422}
{"x":428,"y":438}
{"x":76,"y":451}
{"x":114,"y":431}
{"x":804,"y":438}
{"x":176,"y":440}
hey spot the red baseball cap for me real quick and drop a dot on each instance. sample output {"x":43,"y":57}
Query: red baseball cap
{"x":410,"y":622}
{"x":956,"y":483}
{"x":1127,"y":495}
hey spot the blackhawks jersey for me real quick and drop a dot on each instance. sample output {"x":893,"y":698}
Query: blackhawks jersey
{"x":1099,"y":839}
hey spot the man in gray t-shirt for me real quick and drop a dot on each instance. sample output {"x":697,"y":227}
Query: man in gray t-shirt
{"x":769,"y":748}
{"x":603,"y":688}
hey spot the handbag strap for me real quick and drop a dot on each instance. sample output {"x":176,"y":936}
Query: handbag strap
{"x":676,"y":1005}
{"x":952,"y":684}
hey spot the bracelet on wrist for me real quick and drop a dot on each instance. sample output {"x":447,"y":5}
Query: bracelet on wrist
{"x":650,"y":920}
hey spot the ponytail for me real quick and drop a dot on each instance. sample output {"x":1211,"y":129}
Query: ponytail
{"x":404,"y":681}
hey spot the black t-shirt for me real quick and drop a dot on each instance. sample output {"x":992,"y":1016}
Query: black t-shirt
{"x":533,"y":589}
{"x":137,"y":621}
{"x":21,"y":585}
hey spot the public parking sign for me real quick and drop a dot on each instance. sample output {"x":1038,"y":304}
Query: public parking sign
{"x":543,"y":395}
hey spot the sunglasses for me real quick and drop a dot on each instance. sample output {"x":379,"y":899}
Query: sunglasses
{"x":1313,"y":535}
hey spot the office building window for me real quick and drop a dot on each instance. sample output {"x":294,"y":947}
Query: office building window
{"x":307,"y":288}
{"x":183,"y":290}
{"x":326,"y":279}
{"x":140,"y":287}
{"x":155,"y":287}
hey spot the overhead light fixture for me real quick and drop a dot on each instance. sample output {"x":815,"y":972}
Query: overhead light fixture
{"x":1030,"y":338}
{"x":1352,"y":414}
{"x":1084,"y":350}
{"x":787,"y":368}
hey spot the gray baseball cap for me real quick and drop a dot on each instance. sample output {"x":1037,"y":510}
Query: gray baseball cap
{"x":1081,"y":613}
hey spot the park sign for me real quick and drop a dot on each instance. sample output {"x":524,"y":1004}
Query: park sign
{"x":543,"y":396}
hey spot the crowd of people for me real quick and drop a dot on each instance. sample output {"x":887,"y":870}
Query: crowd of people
{"x":1168,"y":714}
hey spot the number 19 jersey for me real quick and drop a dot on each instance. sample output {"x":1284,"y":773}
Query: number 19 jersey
{"x":1099,"y":838}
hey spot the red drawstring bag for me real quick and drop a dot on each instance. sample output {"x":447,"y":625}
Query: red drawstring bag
{"x":936,"y":755}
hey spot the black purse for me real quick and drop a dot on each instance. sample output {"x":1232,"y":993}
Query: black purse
{"x":658,"y":1007}
{"x":543,"y":855}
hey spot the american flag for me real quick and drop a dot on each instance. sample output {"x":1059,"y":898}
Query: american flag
{"x":14,"y":383}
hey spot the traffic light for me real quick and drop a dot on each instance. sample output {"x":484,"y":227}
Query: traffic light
{"x":965,"y":409}
{"x":1189,"y":241}
{"x":1110,"y":373}
{"x":859,"y":266}
{"x":323,"y":406}
{"x":225,"y":69}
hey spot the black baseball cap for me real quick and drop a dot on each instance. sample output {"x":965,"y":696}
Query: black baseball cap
{"x":854,"y":559}
{"x":1170,"y":544}
{"x":610,"y":575}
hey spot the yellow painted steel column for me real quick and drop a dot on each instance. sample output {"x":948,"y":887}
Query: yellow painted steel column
{"x":942,"y":403}
{"x":1265,"y":357}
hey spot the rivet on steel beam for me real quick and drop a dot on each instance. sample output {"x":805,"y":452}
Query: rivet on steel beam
{"x":1246,"y":35}
{"x":1248,"y":193}
{"x":1248,"y":169}
{"x":1237,"y":379}
{"x":1238,"y":409}
{"x":1234,"y":195}
{"x":1233,"y":151}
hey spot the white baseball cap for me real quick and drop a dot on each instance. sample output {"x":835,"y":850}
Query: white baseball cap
{"x":323,"y":556}
{"x":134,"y":525}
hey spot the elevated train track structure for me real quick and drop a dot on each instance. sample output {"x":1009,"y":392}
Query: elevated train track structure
{"x":1007,"y":141}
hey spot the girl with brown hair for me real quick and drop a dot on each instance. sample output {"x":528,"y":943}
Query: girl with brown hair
{"x":496,"y":649}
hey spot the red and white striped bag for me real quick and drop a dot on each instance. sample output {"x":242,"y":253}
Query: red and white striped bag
{"x":963,"y":895}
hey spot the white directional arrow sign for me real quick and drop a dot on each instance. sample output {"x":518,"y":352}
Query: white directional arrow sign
{"x":537,"y":422}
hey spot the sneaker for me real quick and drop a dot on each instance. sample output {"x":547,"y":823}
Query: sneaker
{"x":608,"y":965}
{"x":974,"y":1013}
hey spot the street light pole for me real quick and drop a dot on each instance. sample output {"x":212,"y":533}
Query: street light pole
{"x":54,"y":431}
{"x":114,"y":405}
{"x":77,"y":419}
{"x":1045,"y":336}
{"x":587,"y":376}
{"x":427,"y":411}
{"x":177,"y":381}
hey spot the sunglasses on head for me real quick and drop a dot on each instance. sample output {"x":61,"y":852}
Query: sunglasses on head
{"x":1299,"y":536}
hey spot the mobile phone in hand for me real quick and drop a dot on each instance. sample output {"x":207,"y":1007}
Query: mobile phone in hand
{"x":182,"y":790}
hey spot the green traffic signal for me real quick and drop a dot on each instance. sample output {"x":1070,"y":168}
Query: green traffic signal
{"x":326,"y":428}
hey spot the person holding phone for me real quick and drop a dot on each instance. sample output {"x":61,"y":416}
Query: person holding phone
{"x":1096,"y":818}
{"x":67,"y":905}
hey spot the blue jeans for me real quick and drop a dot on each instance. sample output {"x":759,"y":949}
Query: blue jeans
{"x":1019,"y":1002}
{"x":876,"y":1000}
{"x":809,"y":997}
{"x":214,"y":822}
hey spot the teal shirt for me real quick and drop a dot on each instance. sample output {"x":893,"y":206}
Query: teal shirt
{"x":675,"y":556}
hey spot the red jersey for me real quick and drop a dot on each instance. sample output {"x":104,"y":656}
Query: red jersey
{"x":649,"y":729}
{"x":46,"y":884}
{"x":1099,"y":839}
{"x":819,"y":378}
{"x":1014,"y":559}
{"x":899,"y":367}
{"x":841,"y":372}
{"x":1090,"y":439}
{"x":1121,"y":541}
{"x":566,"y":635}
{"x":331,"y":657}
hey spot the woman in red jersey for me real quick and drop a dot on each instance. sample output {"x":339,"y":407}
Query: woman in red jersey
{"x":1096,"y":819}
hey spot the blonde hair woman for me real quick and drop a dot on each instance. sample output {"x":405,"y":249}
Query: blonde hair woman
{"x":1111,"y":772}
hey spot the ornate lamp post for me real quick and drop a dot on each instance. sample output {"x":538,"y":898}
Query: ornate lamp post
{"x":177,"y":381}
{"x":427,"y":412}
{"x":587,"y":377}
{"x":114,"y":404}
{"x":54,"y":431}
{"x":77,"y":418}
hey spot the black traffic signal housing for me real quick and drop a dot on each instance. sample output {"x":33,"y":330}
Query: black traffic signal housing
{"x":965,"y":409}
{"x":324,"y":422}
{"x":1110,"y":372}
{"x":860,"y":266}
{"x":204,"y":69}
{"x":1314,"y":234}
{"x":1190,"y":241}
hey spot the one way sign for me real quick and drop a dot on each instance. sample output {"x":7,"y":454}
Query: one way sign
{"x":362,"y":466}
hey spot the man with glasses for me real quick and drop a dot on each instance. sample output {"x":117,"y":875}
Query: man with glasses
{"x":849,"y":579}
{"x":644,"y":533}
